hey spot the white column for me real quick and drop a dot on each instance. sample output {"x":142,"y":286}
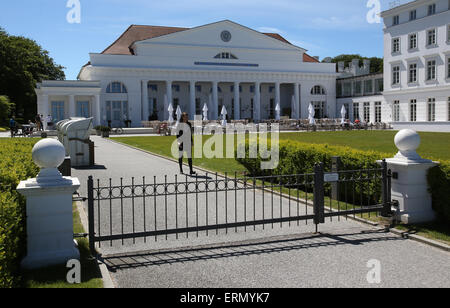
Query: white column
{"x":257,"y":103}
{"x":49,"y":209}
{"x":215,"y":107}
{"x":237,"y":102}
{"x":72,"y":112}
{"x":169,"y":98}
{"x":277,"y":95}
{"x":145,"y":105}
{"x":192,"y":99}
{"x":98,"y":119}
{"x":297,"y":100}
{"x":45,"y":111}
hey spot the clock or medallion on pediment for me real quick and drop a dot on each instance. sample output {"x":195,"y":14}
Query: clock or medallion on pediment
{"x":225,"y":36}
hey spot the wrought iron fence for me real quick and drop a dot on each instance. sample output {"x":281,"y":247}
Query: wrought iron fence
{"x":185,"y":206}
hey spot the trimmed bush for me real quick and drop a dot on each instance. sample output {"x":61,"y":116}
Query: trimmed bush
{"x":15,"y":165}
{"x":439,"y":187}
{"x":300,"y":158}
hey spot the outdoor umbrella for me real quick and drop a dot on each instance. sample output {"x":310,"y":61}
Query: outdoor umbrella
{"x":170,"y":109}
{"x":277,"y":112}
{"x":224,"y":116}
{"x":312,"y":113}
{"x":205,"y":112}
{"x":343,"y":114}
{"x":178,"y":114}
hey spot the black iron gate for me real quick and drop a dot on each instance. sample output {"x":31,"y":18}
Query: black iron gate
{"x":213,"y":203}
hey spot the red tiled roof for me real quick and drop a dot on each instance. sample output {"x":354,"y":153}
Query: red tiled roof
{"x":137,"y":33}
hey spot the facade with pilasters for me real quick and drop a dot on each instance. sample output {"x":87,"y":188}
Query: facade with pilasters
{"x":220,"y":64}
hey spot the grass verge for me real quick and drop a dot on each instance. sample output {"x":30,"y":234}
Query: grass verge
{"x":55,"y":276}
{"x":438,"y":231}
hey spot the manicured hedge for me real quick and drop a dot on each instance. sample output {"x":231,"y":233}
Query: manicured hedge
{"x":15,"y":165}
{"x":300,"y":158}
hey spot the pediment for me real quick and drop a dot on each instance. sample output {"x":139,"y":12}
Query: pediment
{"x":223,"y":34}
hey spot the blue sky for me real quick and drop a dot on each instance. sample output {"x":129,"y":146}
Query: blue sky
{"x":323,"y":27}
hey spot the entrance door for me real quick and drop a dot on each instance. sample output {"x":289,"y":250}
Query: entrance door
{"x":117,"y":113}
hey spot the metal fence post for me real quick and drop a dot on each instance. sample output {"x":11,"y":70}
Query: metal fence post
{"x":91,"y":215}
{"x":386,"y":190}
{"x":335,"y":166}
{"x":319,"y":195}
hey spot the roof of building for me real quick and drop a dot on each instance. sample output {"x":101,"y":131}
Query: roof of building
{"x":137,"y":33}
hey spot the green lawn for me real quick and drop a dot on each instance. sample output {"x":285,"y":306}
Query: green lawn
{"x":434,"y":145}
{"x":55,"y":277}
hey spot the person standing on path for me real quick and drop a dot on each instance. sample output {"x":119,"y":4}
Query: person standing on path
{"x":185,"y":140}
{"x":12,"y":126}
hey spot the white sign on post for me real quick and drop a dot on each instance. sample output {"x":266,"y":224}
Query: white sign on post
{"x":331,"y":177}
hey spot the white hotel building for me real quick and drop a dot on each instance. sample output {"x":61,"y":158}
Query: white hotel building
{"x":220,"y":64}
{"x":417,"y":64}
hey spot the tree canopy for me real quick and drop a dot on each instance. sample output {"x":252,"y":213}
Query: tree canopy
{"x":23,"y":63}
{"x":6,"y":107}
{"x":376,"y":64}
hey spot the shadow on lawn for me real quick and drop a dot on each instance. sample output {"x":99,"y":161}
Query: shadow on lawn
{"x":147,"y":259}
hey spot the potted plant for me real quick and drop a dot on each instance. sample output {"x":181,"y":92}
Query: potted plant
{"x":105,"y":131}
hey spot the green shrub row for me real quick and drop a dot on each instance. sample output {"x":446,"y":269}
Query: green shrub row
{"x":15,"y":165}
{"x":300,"y":158}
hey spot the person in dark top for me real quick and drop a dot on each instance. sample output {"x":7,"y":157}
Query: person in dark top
{"x":185,"y":140}
{"x":12,"y":126}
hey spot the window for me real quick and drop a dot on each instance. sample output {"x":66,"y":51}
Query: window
{"x":396,"y":45}
{"x":117,"y":112}
{"x":431,"y":37}
{"x":377,"y":112}
{"x":448,"y":33}
{"x":413,"y":73}
{"x":116,"y":87}
{"x":319,"y":107}
{"x":412,"y":15}
{"x":448,"y":67}
{"x":396,"y":111}
{"x":318,"y":90}
{"x":58,"y":111}
{"x":368,"y":86}
{"x":367,"y":112}
{"x":225,"y":55}
{"x":396,"y":75}
{"x":431,"y":70}
{"x":198,"y":106}
{"x":83,"y":109}
{"x":339,"y":89}
{"x":358,"y":88}
{"x":347,"y":89}
{"x":432,"y":9}
{"x":379,"y":85}
{"x":431,"y":109}
{"x":356,"y":111}
{"x":395,"y":20}
{"x":448,"y":106}
{"x":413,"y":110}
{"x":272,"y":109}
{"x":153,"y":87}
{"x":412,"y":41}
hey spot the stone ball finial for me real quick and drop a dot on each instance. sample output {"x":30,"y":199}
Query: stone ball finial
{"x":407,"y":140}
{"x":48,"y":153}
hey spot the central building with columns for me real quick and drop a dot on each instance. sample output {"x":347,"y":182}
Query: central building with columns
{"x":219,"y":64}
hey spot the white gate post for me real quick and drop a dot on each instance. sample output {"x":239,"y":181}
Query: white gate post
{"x":409,"y":180}
{"x":49,"y":209}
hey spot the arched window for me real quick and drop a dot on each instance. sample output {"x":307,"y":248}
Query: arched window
{"x":318,"y":90}
{"x":116,"y":87}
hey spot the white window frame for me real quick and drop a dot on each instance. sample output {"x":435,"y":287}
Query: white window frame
{"x":396,"y":20}
{"x":434,"y":41}
{"x":396,"y":45}
{"x":412,"y":15}
{"x":377,"y":112}
{"x":415,"y":73}
{"x":448,"y":106}
{"x":356,"y":111}
{"x":395,"y":75}
{"x":431,"y":110}
{"x":448,"y":66}
{"x":448,"y":32}
{"x":410,"y":47}
{"x":431,"y":9}
{"x":431,"y":75}
{"x":413,"y":110}
{"x":396,"y":111}
{"x":366,"y":112}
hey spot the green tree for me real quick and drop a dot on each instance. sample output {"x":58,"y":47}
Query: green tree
{"x":6,"y":107}
{"x":376,"y":64}
{"x":23,"y":63}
